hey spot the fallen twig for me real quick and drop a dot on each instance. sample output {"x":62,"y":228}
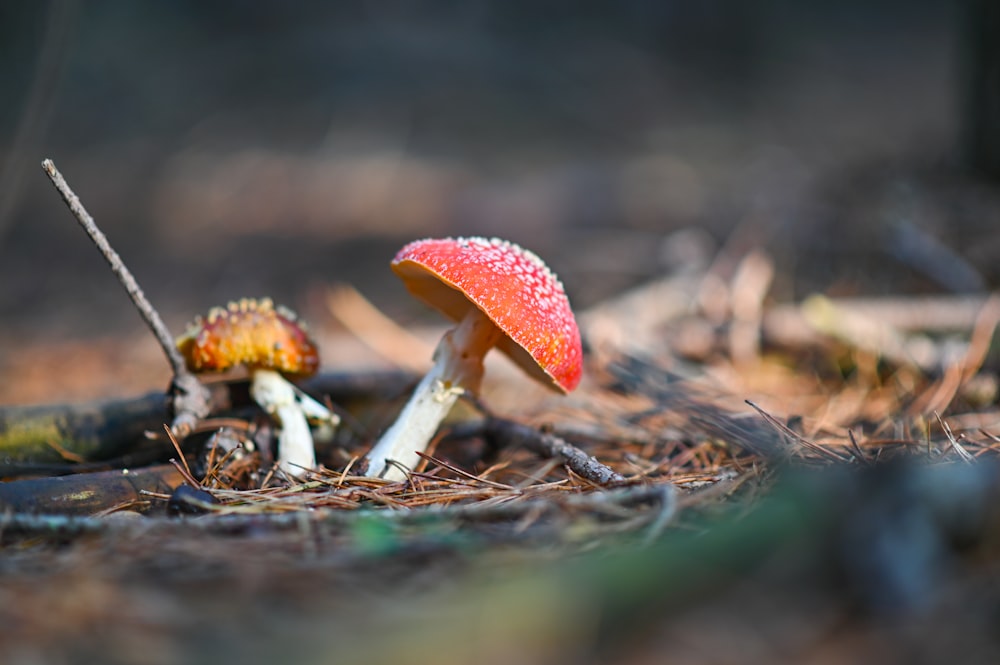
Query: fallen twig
{"x":86,"y":493}
{"x":622,"y":502}
{"x":45,"y":433}
{"x":190,"y":397}
{"x":32,"y":437}
{"x":507,"y":434}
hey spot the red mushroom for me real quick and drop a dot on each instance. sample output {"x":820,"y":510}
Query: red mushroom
{"x":501,"y":295}
{"x":268,"y":340}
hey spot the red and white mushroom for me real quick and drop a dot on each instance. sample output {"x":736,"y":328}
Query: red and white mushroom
{"x":268,"y":341}
{"x":501,"y":295}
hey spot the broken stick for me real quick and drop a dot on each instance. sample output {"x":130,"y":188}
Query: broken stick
{"x":508,"y":434}
{"x":190,"y":397}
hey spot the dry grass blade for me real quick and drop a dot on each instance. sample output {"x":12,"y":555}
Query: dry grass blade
{"x":186,"y":470}
{"x":459,"y":472}
{"x":958,"y":448}
{"x":941,"y":394}
{"x":377,"y":331}
{"x":784,"y":429}
{"x":859,"y":454}
{"x":748,"y":290}
{"x":66,"y":454}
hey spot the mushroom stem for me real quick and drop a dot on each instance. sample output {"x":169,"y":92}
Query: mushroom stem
{"x":458,"y":367}
{"x":296,"y":454}
{"x":279,"y":398}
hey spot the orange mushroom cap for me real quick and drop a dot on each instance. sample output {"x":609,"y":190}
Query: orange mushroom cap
{"x":249,"y":332}
{"x":513,"y":287}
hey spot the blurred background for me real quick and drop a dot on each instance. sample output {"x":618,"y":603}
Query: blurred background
{"x":236,"y":149}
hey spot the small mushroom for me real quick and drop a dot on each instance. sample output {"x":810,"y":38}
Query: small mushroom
{"x":268,"y":341}
{"x":501,"y":295}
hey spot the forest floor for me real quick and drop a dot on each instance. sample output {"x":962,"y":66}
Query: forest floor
{"x":811,"y":480}
{"x":784,"y":445}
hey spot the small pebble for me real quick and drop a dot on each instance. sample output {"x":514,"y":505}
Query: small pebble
{"x":187,"y":500}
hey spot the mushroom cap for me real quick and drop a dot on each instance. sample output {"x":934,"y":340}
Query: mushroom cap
{"x":513,"y":287}
{"x":249,"y":332}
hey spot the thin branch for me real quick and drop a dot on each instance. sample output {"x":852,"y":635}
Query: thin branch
{"x":51,"y":433}
{"x":508,"y":433}
{"x":191,"y":401}
{"x":118,"y":267}
{"x":86,"y":493}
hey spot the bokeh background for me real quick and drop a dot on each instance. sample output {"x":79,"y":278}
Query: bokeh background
{"x":246,"y":148}
{"x":251,"y":148}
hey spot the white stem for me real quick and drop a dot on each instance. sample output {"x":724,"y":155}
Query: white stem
{"x":315,"y":412}
{"x":279,"y":398}
{"x":296,"y":454}
{"x":458,"y":366}
{"x":431,"y":401}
